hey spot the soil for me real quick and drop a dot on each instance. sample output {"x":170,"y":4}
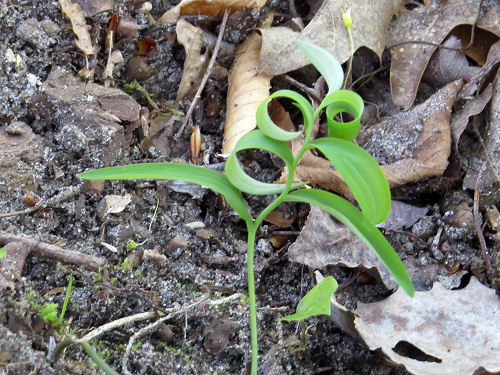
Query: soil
{"x":54,"y":124}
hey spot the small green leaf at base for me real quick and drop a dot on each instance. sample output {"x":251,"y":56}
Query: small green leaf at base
{"x":3,"y":252}
{"x":315,"y":302}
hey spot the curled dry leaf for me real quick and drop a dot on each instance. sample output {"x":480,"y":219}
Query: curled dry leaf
{"x":430,"y":25}
{"x":80,"y":27}
{"x":247,"y":89}
{"x":370,"y":23}
{"x":114,"y":204}
{"x":195,"y":64}
{"x":206,"y":8}
{"x":459,"y":328}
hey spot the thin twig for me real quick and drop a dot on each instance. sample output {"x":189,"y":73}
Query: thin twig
{"x":205,"y":76}
{"x":477,"y":226}
{"x":310,"y":91}
{"x":463,"y":49}
{"x":151,"y":327}
{"x":45,"y":250}
{"x":51,"y":202}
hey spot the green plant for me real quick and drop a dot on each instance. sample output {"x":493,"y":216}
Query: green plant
{"x":359,"y":170}
{"x":3,"y":252}
{"x":48,"y":312}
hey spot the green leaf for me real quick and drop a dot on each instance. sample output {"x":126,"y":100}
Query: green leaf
{"x":3,"y":252}
{"x":361,"y":173}
{"x":315,"y":302}
{"x":352,"y":218}
{"x":256,"y":139}
{"x":175,"y":171}
{"x":272,"y":130}
{"x":338,"y":102}
{"x":325,"y":63}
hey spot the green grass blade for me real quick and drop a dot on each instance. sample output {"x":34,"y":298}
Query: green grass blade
{"x":267,"y":125}
{"x":361,"y":173}
{"x":315,"y":302}
{"x":325,"y":63}
{"x":352,"y":218}
{"x":256,"y":139}
{"x":175,"y":171}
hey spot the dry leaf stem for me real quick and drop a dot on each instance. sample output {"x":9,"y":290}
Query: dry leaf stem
{"x":477,"y":226}
{"x":205,"y":76}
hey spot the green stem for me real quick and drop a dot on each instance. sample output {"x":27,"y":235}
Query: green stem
{"x":349,"y":64}
{"x":252,"y":299}
{"x":252,"y":231}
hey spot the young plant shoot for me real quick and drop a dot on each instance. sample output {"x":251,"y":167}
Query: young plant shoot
{"x":359,"y":170}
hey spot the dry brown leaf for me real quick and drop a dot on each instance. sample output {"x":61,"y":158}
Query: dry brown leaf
{"x":206,"y":8}
{"x":489,"y":184}
{"x":370,"y":23}
{"x":91,"y":7}
{"x":471,"y":108}
{"x":431,"y":25}
{"x":80,"y":27}
{"x":459,"y":328}
{"x":247,"y":89}
{"x":196,"y":62}
{"x":402,"y":215}
{"x":324,"y":241}
{"x":114,"y":204}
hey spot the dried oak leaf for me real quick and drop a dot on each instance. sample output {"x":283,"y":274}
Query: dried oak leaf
{"x":460,"y":329}
{"x":430,"y":25}
{"x":196,"y":62}
{"x":324,"y":241}
{"x":80,"y":27}
{"x":206,"y":8}
{"x":92,"y":7}
{"x":402,"y":215}
{"x":370,"y":23}
{"x":113,"y":204}
{"x":247,"y":89}
{"x":489,"y":184}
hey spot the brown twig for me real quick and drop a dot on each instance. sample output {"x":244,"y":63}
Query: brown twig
{"x":477,"y":226}
{"x":205,"y":76}
{"x":45,"y":250}
{"x":463,"y":49}
{"x":61,"y":197}
{"x":310,"y":91}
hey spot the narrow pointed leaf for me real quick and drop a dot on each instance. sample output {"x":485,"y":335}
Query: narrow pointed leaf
{"x":352,"y":218}
{"x":325,"y":63}
{"x":175,"y":171}
{"x":361,"y":173}
{"x":272,"y":130}
{"x":315,"y":302}
{"x":256,"y":139}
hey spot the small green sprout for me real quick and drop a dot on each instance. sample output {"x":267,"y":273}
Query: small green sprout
{"x":3,"y":252}
{"x":315,"y":302}
{"x":48,"y":312}
{"x":359,"y":170}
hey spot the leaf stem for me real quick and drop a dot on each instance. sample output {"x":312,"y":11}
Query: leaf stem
{"x":251,"y":298}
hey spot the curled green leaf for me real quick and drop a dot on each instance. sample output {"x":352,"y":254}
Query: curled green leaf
{"x":256,"y":139}
{"x":175,"y":171}
{"x":361,"y":173}
{"x":352,"y":218}
{"x":267,"y":125}
{"x":339,"y":102}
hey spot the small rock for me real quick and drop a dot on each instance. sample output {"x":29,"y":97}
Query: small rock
{"x":217,"y":336}
{"x":32,"y":31}
{"x":176,"y":243}
{"x":93,"y":186}
{"x":195,"y":225}
{"x":138,"y":69}
{"x":154,"y":256}
{"x":50,"y":28}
